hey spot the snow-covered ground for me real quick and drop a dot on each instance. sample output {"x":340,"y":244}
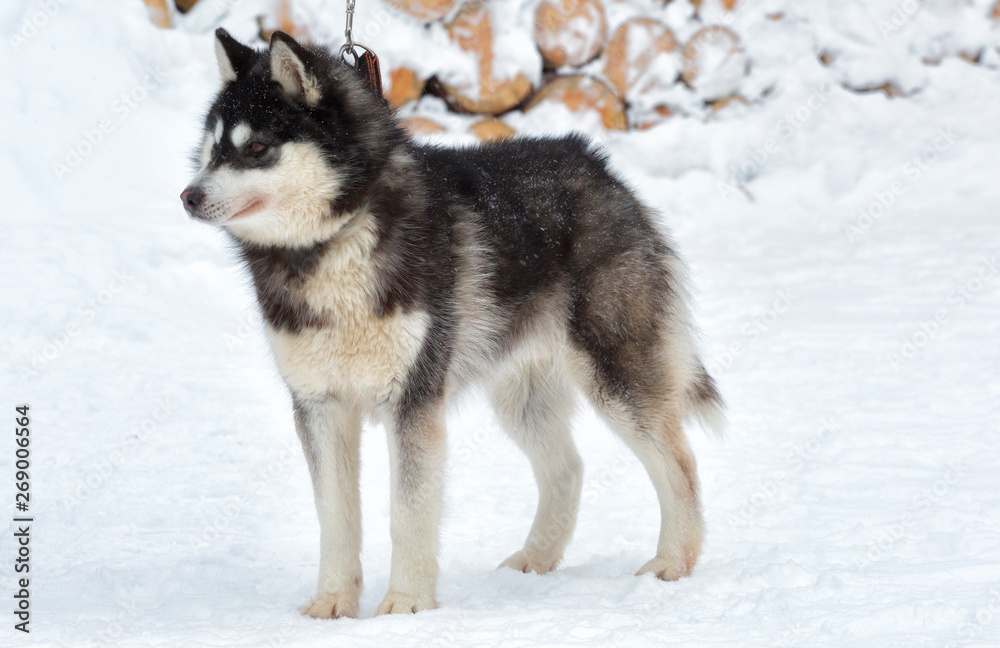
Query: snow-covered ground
{"x":846,"y":253}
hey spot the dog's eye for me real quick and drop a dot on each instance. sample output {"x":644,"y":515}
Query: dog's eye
{"x":258,"y":148}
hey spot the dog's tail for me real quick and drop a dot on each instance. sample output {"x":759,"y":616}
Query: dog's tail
{"x":705,"y":403}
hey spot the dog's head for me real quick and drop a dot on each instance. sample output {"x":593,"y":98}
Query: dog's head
{"x":290,"y":141}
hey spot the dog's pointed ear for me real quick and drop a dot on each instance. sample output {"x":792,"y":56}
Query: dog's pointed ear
{"x":291,"y":66}
{"x":235,"y":58}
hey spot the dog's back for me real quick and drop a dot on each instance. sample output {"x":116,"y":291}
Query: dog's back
{"x":556,"y":236}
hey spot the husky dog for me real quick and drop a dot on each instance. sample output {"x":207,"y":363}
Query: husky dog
{"x":391,"y":275}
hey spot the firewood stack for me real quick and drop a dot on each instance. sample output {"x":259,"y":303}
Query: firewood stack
{"x":603,"y":61}
{"x":623,"y":73}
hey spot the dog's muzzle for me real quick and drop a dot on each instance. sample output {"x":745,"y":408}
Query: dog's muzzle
{"x":193,"y":198}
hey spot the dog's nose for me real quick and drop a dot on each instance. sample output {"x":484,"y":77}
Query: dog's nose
{"x":192,"y":197}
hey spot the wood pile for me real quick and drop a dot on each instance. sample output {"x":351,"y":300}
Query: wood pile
{"x":631,"y":71}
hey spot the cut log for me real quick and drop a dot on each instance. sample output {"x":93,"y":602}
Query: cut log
{"x":426,"y":10}
{"x":421,"y":126}
{"x":578,"y":93}
{"x":405,"y":86}
{"x":714,"y":63}
{"x":491,"y":129}
{"x":570,"y":32}
{"x":637,"y":43}
{"x":995,"y":12}
{"x":159,"y":12}
{"x":472,"y":31}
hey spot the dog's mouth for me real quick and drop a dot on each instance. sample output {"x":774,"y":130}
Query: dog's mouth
{"x":256,"y":205}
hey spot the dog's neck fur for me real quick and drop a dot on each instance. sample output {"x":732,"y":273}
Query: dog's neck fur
{"x":280,"y":271}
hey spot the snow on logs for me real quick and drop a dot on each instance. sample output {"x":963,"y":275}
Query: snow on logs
{"x":281,"y":18}
{"x":701,"y":6}
{"x":642,"y":54}
{"x":425,"y":10}
{"x":159,"y":12}
{"x":714,"y":63}
{"x":581,"y":93}
{"x":472,"y":30}
{"x":570,"y":32}
{"x":599,"y":56}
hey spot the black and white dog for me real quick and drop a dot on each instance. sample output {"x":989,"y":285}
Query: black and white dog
{"x":392,"y":275}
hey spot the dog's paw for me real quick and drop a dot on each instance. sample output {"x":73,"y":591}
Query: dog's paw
{"x":526,"y":561}
{"x":400,"y":603}
{"x":668,"y":569}
{"x":330,"y":605}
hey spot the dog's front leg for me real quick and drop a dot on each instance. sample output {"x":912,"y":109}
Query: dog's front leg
{"x":331,"y":434}
{"x":417,"y":451}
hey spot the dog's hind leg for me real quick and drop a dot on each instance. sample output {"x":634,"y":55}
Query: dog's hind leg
{"x":636,"y":380}
{"x":656,"y":437}
{"x":534,"y":405}
{"x":330,"y":433}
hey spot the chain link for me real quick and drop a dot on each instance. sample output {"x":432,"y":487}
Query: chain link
{"x":350,"y":45}
{"x":349,"y":31}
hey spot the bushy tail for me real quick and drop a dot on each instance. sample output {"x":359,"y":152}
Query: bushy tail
{"x":705,"y":403}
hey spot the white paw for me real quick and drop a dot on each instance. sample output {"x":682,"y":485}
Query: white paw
{"x":668,"y":569}
{"x":400,"y":603}
{"x":526,"y":561}
{"x":332,"y":605}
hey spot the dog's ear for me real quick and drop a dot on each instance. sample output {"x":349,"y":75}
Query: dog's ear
{"x":235,"y":58}
{"x":292,"y":67}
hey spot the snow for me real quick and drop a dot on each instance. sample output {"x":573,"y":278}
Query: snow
{"x":846,"y":253}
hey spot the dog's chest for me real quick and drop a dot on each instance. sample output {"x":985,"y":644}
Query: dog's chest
{"x":357,"y":355}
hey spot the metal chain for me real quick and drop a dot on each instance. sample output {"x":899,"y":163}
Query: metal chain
{"x":350,"y":45}
{"x":349,"y":31}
